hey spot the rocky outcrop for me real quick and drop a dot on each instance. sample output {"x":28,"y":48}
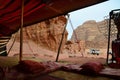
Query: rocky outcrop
{"x":74,"y":47}
{"x":47,"y":34}
{"x":90,"y":33}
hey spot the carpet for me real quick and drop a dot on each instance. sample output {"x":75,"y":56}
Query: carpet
{"x":45,"y":77}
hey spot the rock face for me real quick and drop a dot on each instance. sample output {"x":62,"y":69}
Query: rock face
{"x":74,"y":47}
{"x":47,"y":34}
{"x":90,"y":33}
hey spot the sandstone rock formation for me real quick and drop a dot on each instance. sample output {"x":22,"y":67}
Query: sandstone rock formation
{"x":89,"y":32}
{"x":47,"y":34}
{"x":74,"y":47}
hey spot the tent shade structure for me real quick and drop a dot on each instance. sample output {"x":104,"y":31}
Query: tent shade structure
{"x":35,"y":11}
{"x":115,"y":16}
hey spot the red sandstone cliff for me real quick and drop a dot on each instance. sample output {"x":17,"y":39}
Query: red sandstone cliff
{"x":47,"y":34}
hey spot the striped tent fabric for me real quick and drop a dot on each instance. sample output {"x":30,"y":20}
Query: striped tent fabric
{"x":36,"y":11}
{"x":3,"y":41}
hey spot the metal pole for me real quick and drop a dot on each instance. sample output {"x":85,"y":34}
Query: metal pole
{"x":21,"y":30}
{"x":109,"y":30}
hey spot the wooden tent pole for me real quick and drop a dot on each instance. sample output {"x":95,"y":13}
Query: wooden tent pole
{"x":59,"y":48}
{"x":21,"y":31}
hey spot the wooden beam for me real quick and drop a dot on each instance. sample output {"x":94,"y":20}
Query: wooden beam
{"x":21,"y":30}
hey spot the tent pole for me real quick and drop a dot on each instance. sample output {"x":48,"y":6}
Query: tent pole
{"x":75,"y":35}
{"x":59,"y":48}
{"x":109,"y":30}
{"x":21,"y":31}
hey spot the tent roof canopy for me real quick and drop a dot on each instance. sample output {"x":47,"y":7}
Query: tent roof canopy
{"x":35,"y":11}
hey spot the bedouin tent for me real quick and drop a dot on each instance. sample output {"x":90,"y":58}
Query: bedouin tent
{"x":35,"y":11}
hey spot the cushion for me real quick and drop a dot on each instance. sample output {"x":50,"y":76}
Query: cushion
{"x":71,"y":67}
{"x":91,"y":68}
{"x":31,"y":66}
{"x":114,"y":65}
{"x":1,"y":73}
{"x":118,"y":60}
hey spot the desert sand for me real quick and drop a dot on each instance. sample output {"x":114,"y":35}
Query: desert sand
{"x":30,"y":49}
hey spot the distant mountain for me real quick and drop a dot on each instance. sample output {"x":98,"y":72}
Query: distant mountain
{"x":93,"y":33}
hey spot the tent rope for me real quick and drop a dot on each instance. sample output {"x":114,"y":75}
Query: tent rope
{"x":75,"y":35}
{"x":27,"y":41}
{"x":12,"y":44}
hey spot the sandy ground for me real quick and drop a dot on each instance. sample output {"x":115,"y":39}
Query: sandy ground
{"x":30,"y":49}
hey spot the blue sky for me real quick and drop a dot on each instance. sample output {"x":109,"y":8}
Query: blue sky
{"x":96,"y":12}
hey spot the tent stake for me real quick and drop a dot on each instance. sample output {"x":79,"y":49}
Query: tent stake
{"x":21,"y":31}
